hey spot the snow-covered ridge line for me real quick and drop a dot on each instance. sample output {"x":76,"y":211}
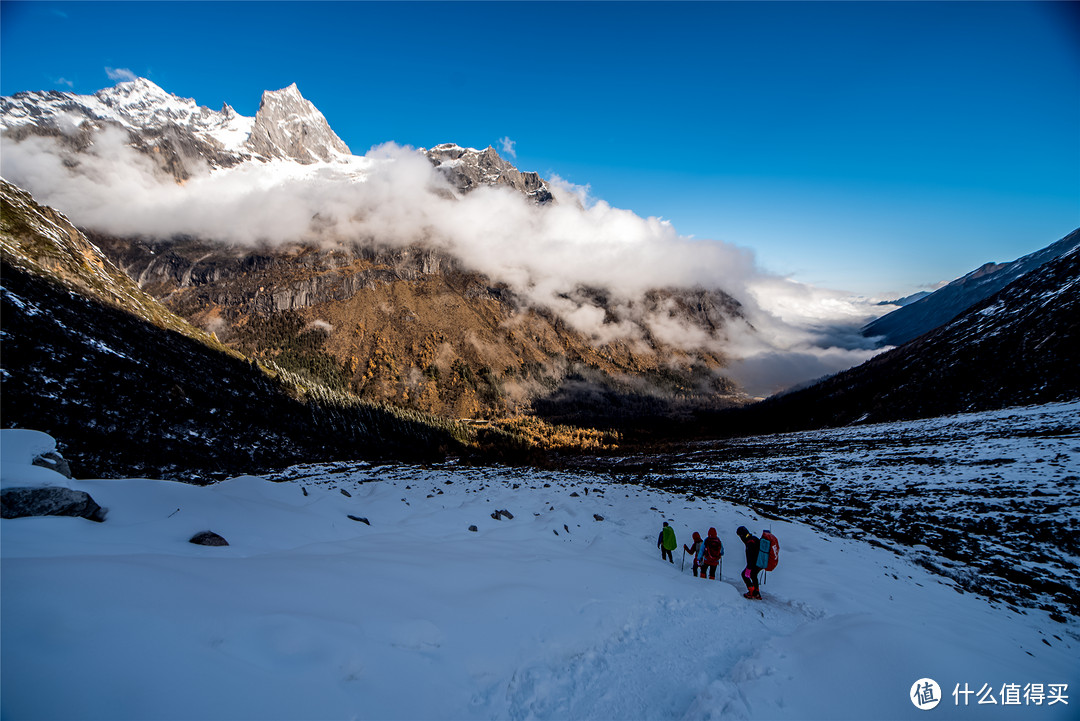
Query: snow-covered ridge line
{"x":136,"y":105}
{"x":286,"y":126}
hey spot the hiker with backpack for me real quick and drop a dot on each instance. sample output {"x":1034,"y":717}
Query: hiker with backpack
{"x":762,"y":554}
{"x":710,"y":555}
{"x":695,"y":552}
{"x":667,"y":543}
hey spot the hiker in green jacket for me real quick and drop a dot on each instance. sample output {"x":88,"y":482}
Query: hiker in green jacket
{"x":666,"y":542}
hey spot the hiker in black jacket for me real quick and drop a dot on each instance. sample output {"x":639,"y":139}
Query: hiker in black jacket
{"x":750,"y":573}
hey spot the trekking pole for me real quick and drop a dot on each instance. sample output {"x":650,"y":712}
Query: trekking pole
{"x":682,"y":565}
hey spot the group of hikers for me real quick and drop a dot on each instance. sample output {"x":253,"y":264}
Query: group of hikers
{"x":761,"y":554}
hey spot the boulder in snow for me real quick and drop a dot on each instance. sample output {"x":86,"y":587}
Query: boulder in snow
{"x":54,"y":462}
{"x":49,"y":501}
{"x":208,"y":538}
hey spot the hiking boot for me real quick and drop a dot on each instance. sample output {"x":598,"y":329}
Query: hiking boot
{"x":748,"y":594}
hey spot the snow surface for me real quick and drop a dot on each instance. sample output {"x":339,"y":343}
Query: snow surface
{"x":18,"y":449}
{"x":991,"y":487}
{"x":552,"y":614}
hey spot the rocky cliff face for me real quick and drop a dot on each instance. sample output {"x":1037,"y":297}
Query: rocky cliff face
{"x":411,"y":327}
{"x":288,"y":126}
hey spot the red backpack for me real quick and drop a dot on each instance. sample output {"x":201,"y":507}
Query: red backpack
{"x":768,"y":551}
{"x":714,"y":549}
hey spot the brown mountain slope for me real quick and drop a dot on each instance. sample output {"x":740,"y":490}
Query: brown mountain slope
{"x":412,"y":328}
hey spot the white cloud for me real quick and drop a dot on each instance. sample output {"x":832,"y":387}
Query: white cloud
{"x":64,"y":81}
{"x":507,"y":146}
{"x":120,"y":74}
{"x":547,"y":254}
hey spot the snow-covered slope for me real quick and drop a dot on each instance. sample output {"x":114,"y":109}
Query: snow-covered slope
{"x":357,"y":591}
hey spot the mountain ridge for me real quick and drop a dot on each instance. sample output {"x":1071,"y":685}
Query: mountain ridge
{"x":407,"y":323}
{"x":1016,"y":347}
{"x":936,"y":309}
{"x":130,"y":388}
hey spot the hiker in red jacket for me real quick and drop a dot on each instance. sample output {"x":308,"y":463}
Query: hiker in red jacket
{"x":712,"y":550}
{"x":695,"y":551}
{"x":750,"y":573}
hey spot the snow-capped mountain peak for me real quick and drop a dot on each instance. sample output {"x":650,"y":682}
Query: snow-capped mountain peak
{"x":141,"y":104}
{"x":184,"y":137}
{"x":139,"y":92}
{"x":287,"y":125}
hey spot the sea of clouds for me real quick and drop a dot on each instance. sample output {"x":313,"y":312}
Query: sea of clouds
{"x":791,"y":332}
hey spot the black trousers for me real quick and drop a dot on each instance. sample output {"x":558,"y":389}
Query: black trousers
{"x":666,"y":553}
{"x":750,"y":578}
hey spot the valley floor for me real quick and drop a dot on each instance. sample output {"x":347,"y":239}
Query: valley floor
{"x":359,"y":591}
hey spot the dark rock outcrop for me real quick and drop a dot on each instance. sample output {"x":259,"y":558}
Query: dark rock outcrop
{"x":468,"y":169}
{"x":49,"y":501}
{"x":54,"y":462}
{"x":208,"y":538}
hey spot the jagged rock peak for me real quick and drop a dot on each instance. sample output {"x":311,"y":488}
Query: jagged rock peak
{"x":289,"y":94}
{"x":469,"y":168}
{"x":289,"y":126}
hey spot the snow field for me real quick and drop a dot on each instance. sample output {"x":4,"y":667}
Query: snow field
{"x":311,"y":615}
{"x":998,"y":490}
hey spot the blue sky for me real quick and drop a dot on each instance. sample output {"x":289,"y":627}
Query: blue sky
{"x":872,"y":147}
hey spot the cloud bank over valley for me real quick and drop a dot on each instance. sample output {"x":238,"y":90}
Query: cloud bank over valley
{"x":394,"y":196}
